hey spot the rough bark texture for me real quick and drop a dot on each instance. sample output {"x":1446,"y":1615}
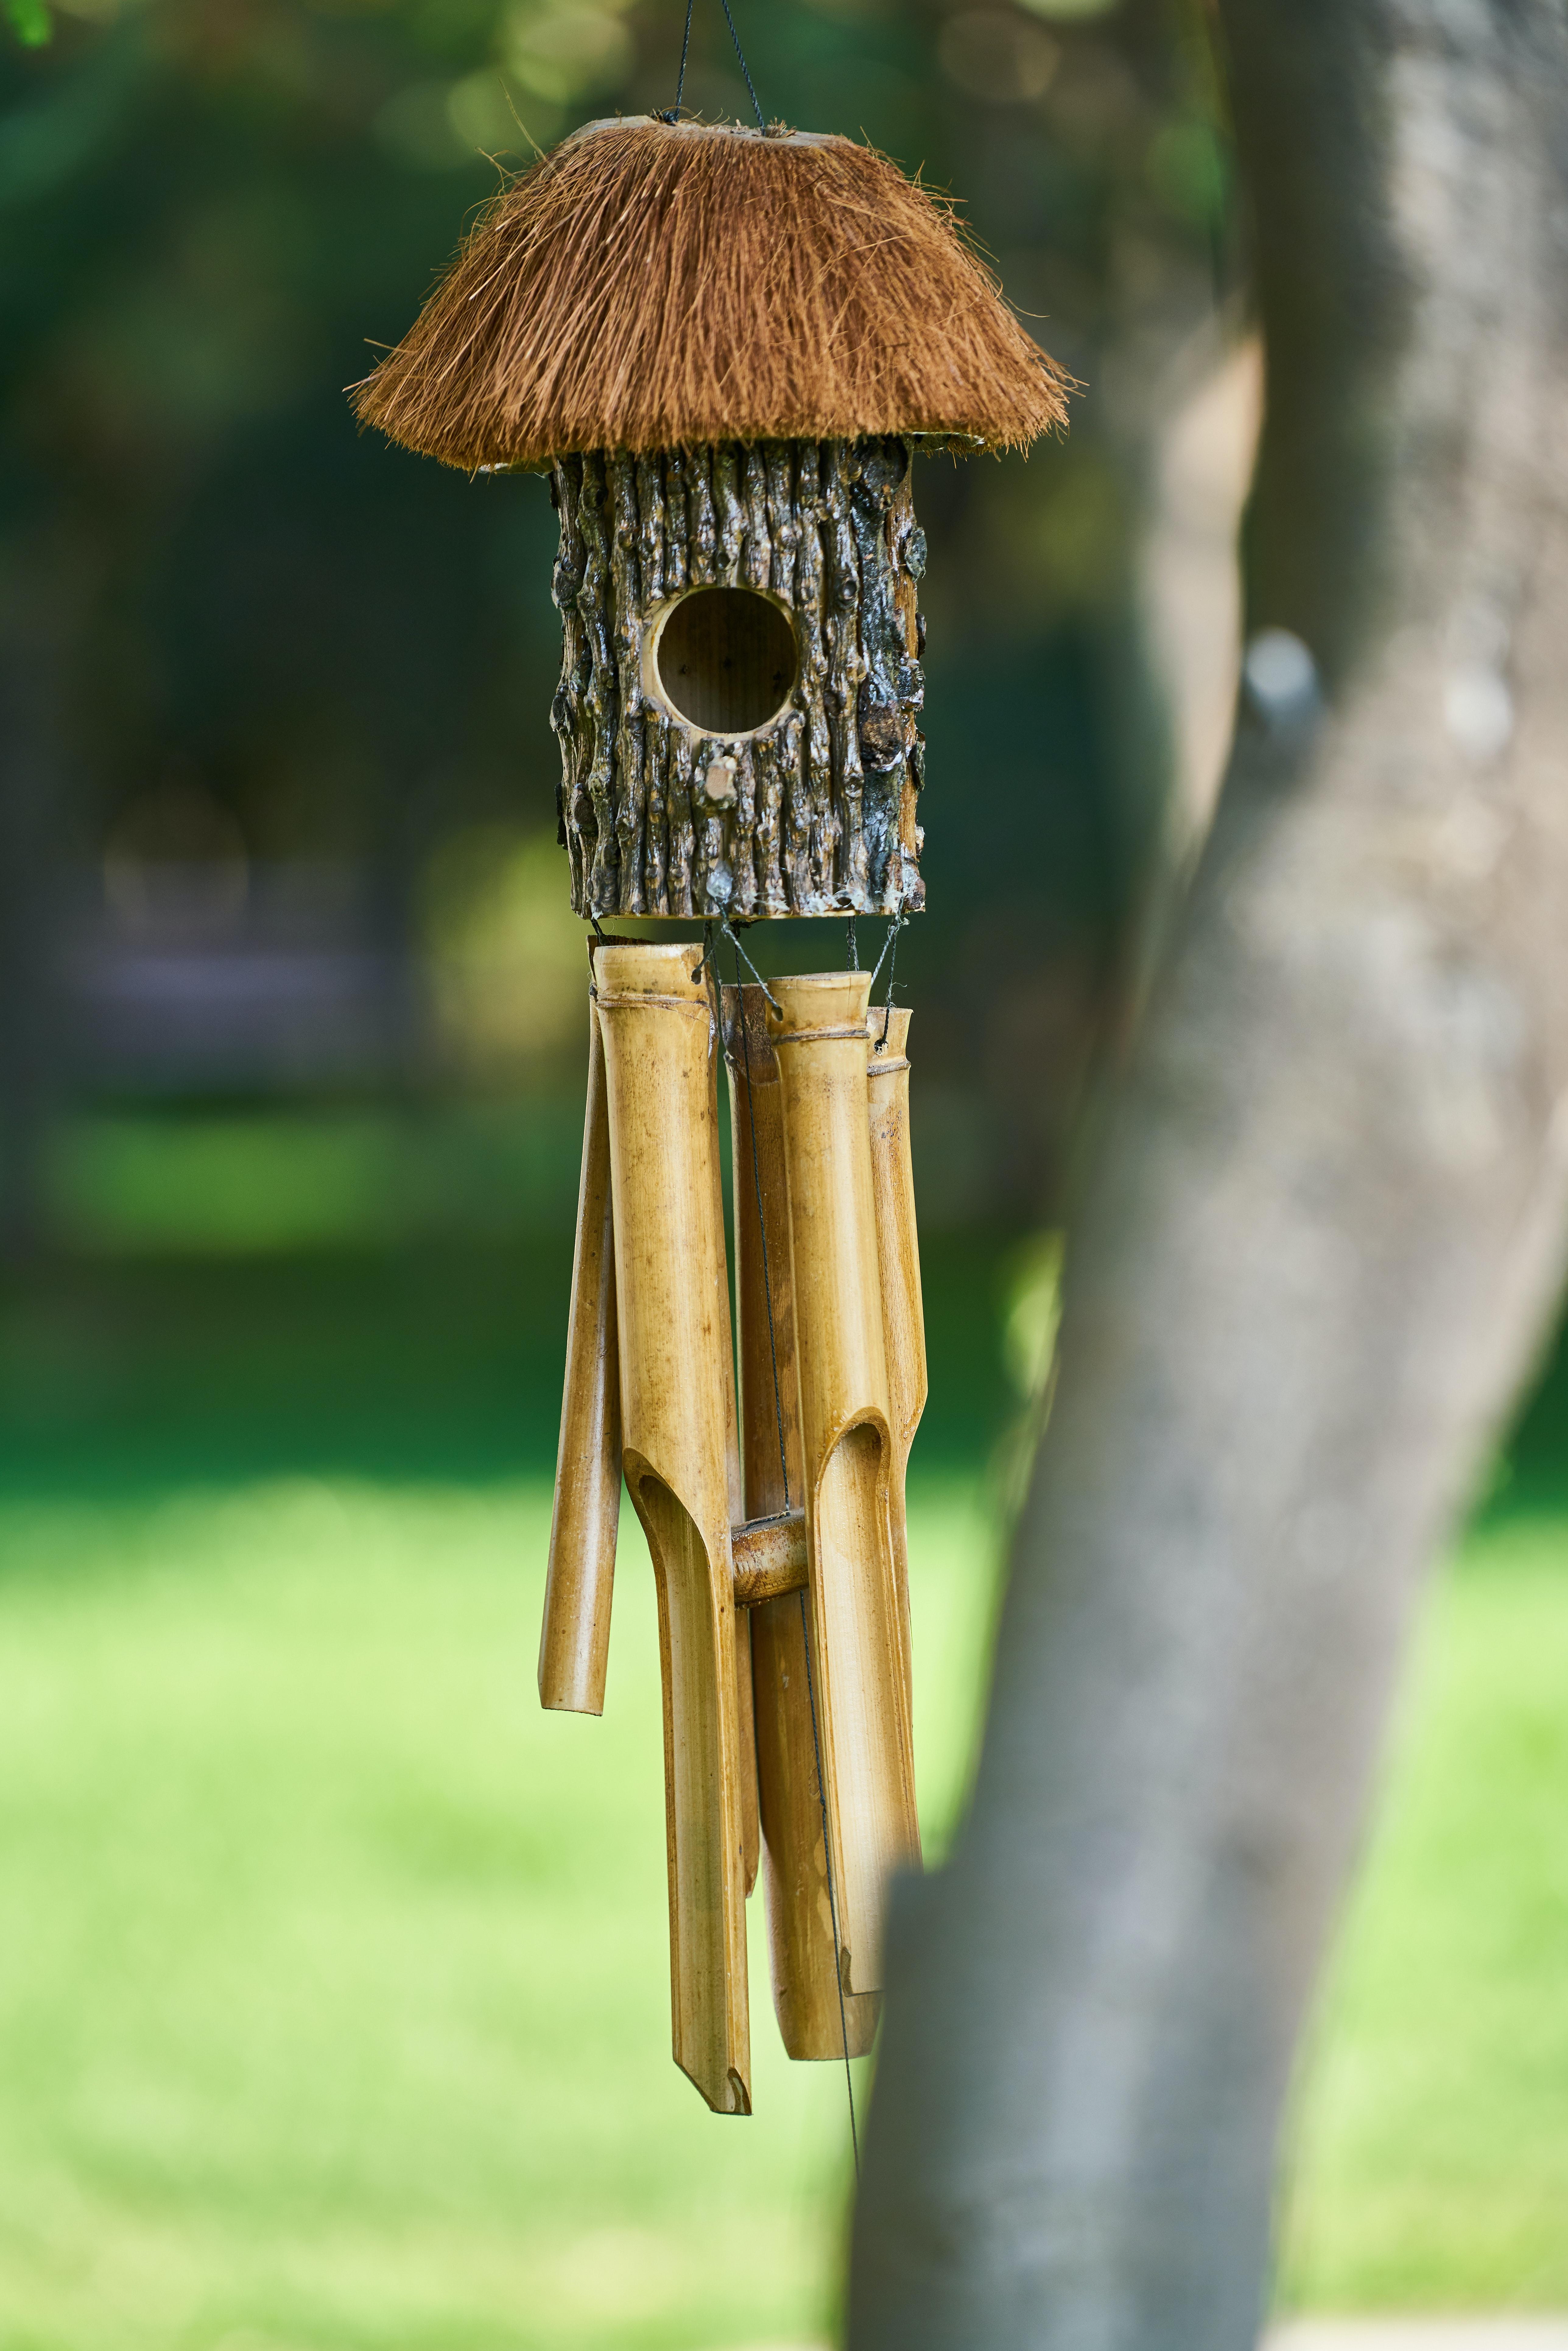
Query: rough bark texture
{"x":823,"y":810}
{"x":1319,"y":1233}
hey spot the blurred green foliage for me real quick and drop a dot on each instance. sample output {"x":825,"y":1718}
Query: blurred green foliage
{"x":30,"y":21}
{"x":240,"y":1182}
{"x":214,"y":211}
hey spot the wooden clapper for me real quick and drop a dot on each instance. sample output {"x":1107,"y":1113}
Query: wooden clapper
{"x":777,"y":1532}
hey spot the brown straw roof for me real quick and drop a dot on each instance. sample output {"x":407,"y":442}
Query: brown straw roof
{"x":650,"y":284}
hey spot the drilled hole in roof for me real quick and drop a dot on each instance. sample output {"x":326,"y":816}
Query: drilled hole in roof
{"x":725,"y":660}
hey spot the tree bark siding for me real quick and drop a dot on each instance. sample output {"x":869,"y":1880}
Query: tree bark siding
{"x":1319,"y":1238}
{"x":823,"y":818}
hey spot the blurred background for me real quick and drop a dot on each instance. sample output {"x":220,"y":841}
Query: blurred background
{"x":333,"y":1986}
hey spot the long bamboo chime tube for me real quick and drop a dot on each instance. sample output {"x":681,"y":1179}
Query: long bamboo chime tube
{"x":861,"y":1694}
{"x":677,"y":1423}
{"x":751,"y":1825}
{"x":746,"y":1736}
{"x":817,"y":2019}
{"x":574,"y":1641}
{"x":898,"y":1257}
{"x":750,"y":1812}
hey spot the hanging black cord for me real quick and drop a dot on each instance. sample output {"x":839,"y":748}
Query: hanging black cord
{"x":784,"y":1473}
{"x":674,"y":114}
{"x":889,"y":950}
{"x":740,"y":53}
{"x":741,"y":956}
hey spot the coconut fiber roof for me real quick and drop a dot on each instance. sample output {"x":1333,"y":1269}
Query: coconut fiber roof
{"x":651,"y":285}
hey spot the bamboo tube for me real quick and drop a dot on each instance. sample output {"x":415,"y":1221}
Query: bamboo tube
{"x":863,"y":1710}
{"x":898,"y":1258}
{"x":676,"y":1412}
{"x":574,"y":1639}
{"x":772,"y":1481}
{"x":745,"y":1729}
{"x":806,"y":1989}
{"x":751,"y":1820}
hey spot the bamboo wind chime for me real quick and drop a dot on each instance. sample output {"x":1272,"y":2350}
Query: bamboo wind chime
{"x":723,"y":346}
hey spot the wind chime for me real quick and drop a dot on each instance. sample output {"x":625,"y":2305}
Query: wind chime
{"x":724,"y":345}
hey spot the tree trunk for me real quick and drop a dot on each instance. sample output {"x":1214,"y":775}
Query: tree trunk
{"x":35,"y":604}
{"x":1319,"y":1235}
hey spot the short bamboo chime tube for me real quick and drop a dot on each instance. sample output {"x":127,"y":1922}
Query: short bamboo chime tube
{"x":723,"y":346}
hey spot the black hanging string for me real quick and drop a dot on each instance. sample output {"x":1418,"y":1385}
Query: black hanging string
{"x":710,"y":947}
{"x":852,"y":945}
{"x":890,"y":956}
{"x":674,"y":113}
{"x":741,"y":956}
{"x":745,"y":68}
{"x":784,"y":1473}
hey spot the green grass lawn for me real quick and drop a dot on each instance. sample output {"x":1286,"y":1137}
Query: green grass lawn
{"x":1431,"y":2159}
{"x":334,"y":1982}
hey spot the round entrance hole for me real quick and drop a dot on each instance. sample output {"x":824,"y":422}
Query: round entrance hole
{"x":725,"y":660}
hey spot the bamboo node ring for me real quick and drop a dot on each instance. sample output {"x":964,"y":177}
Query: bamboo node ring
{"x":661,"y":1003}
{"x":821,"y":1036}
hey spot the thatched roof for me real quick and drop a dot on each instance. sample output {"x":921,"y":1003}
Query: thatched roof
{"x":650,"y":284}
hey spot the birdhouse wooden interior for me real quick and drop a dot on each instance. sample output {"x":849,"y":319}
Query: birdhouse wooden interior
{"x":725,"y":347}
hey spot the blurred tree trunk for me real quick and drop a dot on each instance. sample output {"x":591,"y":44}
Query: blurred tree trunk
{"x":31,"y":768}
{"x":1321,"y":1231}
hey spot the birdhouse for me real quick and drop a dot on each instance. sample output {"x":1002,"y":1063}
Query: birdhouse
{"x":724,"y":345}
{"x":724,"y":348}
